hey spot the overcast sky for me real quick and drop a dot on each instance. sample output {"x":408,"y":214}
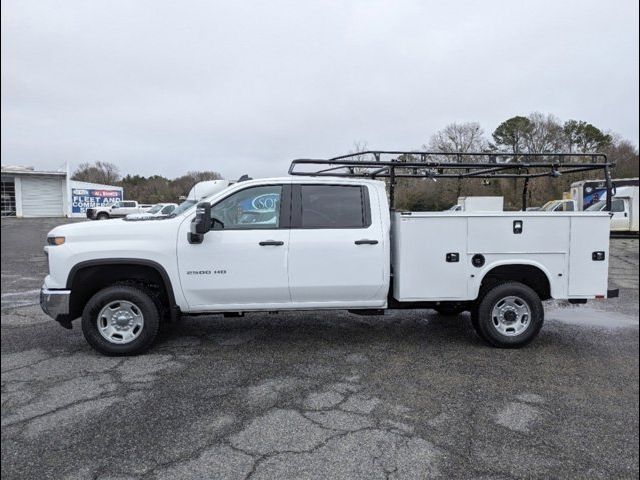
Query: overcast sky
{"x":243,"y":87}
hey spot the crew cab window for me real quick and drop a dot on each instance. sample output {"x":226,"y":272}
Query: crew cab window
{"x":617,"y":206}
{"x":128,"y":204}
{"x":168,"y":209}
{"x":251,"y":208}
{"x":333,"y":206}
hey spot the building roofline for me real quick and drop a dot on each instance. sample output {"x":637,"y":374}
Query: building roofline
{"x":11,"y":171}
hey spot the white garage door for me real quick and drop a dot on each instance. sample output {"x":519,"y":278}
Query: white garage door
{"x":42,"y":196}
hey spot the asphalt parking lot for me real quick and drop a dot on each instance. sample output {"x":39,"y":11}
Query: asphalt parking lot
{"x":319,"y":395}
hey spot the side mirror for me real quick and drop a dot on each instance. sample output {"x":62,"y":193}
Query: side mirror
{"x":201,"y":224}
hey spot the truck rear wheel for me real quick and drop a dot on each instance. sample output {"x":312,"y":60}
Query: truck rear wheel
{"x":121,"y":320}
{"x":510,"y":315}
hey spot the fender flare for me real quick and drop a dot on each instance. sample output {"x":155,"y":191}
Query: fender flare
{"x":505,"y":263}
{"x":127,"y":261}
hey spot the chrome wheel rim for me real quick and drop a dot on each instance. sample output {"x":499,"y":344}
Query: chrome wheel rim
{"x":120,"y":322}
{"x":511,"y":316}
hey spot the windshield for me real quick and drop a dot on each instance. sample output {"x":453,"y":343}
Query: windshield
{"x":154,"y":209}
{"x":183,"y":207}
{"x":596,"y":207}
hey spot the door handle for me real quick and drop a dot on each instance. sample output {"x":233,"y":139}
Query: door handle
{"x":275,"y":243}
{"x":366,"y":242}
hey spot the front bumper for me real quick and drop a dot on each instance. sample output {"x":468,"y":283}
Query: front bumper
{"x":55,"y":303}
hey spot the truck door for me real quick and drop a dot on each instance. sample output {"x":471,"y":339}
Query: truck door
{"x":337,"y":250}
{"x":620,"y":218}
{"x":115,"y":208}
{"x":123,"y":208}
{"x":242,"y":263}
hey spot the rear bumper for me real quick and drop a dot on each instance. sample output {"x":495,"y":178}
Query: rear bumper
{"x":611,"y":293}
{"x":55,"y":303}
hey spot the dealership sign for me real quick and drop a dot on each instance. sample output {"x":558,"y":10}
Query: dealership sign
{"x":82,"y":198}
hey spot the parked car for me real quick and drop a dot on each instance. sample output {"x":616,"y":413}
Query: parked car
{"x":159,"y":210}
{"x":301,"y":243}
{"x":117,"y":210}
{"x":564,"y":205}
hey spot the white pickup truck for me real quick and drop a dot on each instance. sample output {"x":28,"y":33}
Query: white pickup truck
{"x":311,"y":243}
{"x":117,"y":210}
{"x":157,"y":211}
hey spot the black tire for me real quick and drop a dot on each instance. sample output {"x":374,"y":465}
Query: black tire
{"x":489,"y":325}
{"x":142,"y":300}
{"x":102,"y":216}
{"x":450,"y":310}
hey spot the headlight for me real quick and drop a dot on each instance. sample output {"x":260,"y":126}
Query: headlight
{"x":55,"y":240}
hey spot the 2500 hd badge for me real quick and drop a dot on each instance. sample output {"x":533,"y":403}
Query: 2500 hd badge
{"x":206,"y":272}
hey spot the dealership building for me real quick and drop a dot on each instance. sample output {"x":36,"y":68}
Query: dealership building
{"x":27,"y":192}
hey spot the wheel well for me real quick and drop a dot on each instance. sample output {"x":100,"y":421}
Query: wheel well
{"x":87,"y":280}
{"x":529,"y":275}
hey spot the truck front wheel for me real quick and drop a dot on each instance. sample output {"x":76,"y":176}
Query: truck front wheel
{"x":510,"y":315}
{"x":103,"y":216}
{"x":120,"y":320}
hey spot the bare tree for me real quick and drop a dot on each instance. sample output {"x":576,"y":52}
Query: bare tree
{"x":359,"y":147}
{"x":625,"y":155}
{"x":98,"y":172}
{"x":545,"y":135}
{"x":202,"y":176}
{"x":181,"y":185}
{"x":458,"y":137}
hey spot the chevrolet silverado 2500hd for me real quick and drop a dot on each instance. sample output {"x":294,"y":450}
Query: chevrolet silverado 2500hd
{"x":312,"y":242}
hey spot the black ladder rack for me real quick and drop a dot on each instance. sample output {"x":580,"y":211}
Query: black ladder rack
{"x":391,"y":165}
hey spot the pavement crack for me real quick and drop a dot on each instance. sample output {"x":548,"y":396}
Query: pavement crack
{"x":59,"y":409}
{"x":302,"y":412}
{"x":320,"y":445}
{"x":8,"y":370}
